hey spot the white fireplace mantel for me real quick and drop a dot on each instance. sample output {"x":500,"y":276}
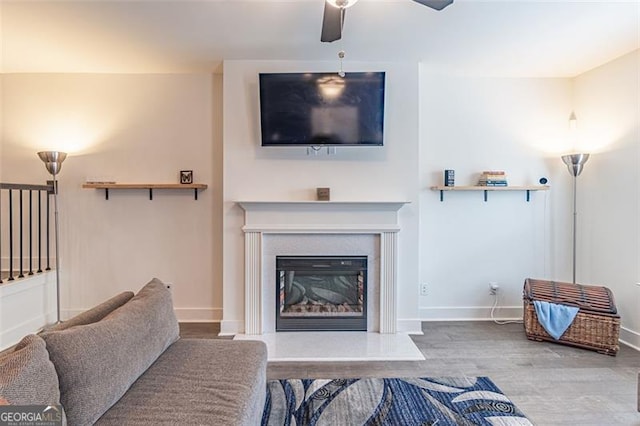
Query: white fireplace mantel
{"x":320,"y":217}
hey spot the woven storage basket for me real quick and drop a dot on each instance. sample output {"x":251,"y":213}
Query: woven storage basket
{"x":595,"y":327}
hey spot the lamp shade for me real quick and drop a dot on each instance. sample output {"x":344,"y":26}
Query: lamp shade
{"x":53,"y":160}
{"x":575,"y":163}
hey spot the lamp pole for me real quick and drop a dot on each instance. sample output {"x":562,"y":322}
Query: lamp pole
{"x":57,"y":233}
{"x":575,"y":224}
{"x":53,"y":162}
{"x":575,"y":164}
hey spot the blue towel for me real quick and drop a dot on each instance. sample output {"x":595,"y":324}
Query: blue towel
{"x":555,"y":318}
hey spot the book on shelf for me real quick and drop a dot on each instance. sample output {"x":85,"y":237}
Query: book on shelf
{"x":490,"y":181}
{"x":493,"y":184}
{"x":493,"y":178}
{"x":449,"y":177}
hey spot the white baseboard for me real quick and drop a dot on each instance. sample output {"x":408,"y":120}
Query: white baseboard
{"x":630,"y":338}
{"x":231,"y":327}
{"x":470,"y":313}
{"x":183,"y":314}
{"x":199,"y":314}
{"x":410,"y":326}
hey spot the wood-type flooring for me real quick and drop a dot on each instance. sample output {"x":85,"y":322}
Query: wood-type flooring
{"x":552,"y":384}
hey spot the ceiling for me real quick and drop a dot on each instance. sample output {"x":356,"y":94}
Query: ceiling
{"x":543,"y":38}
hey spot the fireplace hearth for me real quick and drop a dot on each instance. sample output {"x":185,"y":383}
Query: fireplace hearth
{"x":321,"y":293}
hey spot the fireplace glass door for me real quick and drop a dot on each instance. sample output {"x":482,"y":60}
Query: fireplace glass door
{"x":321,"y":293}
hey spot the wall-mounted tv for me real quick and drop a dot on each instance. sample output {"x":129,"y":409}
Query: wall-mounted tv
{"x":322,"y":109}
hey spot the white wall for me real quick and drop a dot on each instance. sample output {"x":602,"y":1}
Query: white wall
{"x":607,"y":101}
{"x":470,"y":124}
{"x":129,"y":128}
{"x":1,"y":85}
{"x":146,"y":127}
{"x":1,"y":114}
{"x":374,"y":173}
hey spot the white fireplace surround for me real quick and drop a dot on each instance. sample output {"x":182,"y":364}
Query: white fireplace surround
{"x":359,"y":227}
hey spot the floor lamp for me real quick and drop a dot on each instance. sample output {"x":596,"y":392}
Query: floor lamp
{"x":575,"y":164}
{"x":53,"y":161}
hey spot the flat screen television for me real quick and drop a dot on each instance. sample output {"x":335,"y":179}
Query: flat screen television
{"x":322,"y":109}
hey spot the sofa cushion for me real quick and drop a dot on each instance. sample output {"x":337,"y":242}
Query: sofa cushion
{"x":198,"y":381}
{"x":28,"y":376}
{"x":96,"y":313}
{"x":97,"y":362}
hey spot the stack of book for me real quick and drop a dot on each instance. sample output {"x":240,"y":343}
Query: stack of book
{"x":493,"y":178}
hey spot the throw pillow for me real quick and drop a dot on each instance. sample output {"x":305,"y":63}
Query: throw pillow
{"x":28,"y":376}
{"x":96,"y":313}
{"x":98,"y":362}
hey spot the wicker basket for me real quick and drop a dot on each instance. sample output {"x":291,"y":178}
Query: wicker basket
{"x":595,"y":327}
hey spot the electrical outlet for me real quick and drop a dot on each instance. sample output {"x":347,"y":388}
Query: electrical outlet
{"x":423,"y":289}
{"x":493,"y":288}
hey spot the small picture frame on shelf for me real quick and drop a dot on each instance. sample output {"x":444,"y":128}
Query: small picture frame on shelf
{"x":323,"y":194}
{"x":186,"y":176}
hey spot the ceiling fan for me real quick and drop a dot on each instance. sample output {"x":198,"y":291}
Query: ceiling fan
{"x":334,"y":11}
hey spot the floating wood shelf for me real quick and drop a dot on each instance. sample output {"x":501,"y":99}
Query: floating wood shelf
{"x":149,"y":186}
{"x":486,"y":189}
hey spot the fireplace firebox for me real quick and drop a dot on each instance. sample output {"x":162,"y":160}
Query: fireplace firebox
{"x":322,"y":293}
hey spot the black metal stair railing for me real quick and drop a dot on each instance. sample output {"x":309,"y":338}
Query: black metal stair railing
{"x":12,"y":235}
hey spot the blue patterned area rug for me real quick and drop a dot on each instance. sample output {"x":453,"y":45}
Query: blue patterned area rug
{"x":376,"y":401}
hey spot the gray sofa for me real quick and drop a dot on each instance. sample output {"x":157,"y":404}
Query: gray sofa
{"x":123,"y":362}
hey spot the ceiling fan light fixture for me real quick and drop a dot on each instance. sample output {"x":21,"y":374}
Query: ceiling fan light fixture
{"x":341,"y":4}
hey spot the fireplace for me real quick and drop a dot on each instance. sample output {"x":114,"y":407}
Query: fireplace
{"x":312,"y":228}
{"x":327,"y":293}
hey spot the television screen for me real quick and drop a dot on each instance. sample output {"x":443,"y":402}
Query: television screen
{"x":321,"y":109}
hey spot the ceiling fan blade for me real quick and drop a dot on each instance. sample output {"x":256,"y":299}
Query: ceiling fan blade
{"x":332,"y":23}
{"x":435,"y":4}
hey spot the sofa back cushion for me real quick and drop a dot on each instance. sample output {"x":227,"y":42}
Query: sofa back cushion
{"x":98,"y":362}
{"x":96,"y":313}
{"x":28,"y":376}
